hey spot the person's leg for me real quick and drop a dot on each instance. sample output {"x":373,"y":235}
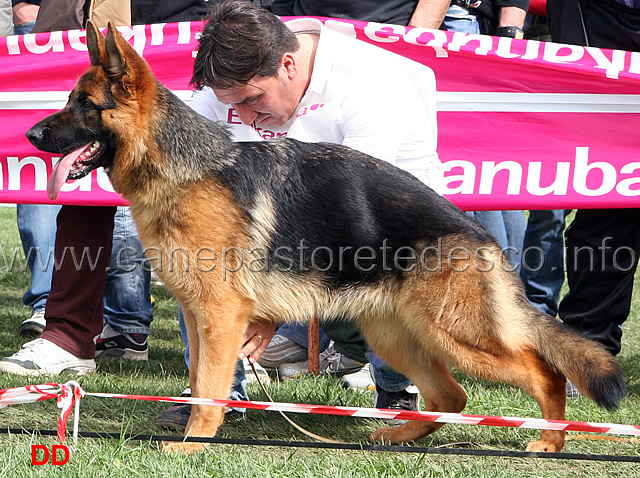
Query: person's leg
{"x":603,"y":246}
{"x":290,"y":345}
{"x":542,"y":271}
{"x":458,"y":19}
{"x":385,"y":376}
{"x":507,"y":228}
{"x":83,"y":253}
{"x":127,"y":295}
{"x":514,"y":227}
{"x":37,"y":228}
{"x":74,"y":307}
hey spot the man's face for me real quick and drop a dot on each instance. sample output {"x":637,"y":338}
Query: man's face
{"x":268,"y":100}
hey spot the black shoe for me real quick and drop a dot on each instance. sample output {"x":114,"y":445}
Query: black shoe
{"x":126,"y":346}
{"x":401,"y":400}
{"x":177,"y":416}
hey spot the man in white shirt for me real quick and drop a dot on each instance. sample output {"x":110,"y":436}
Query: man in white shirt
{"x":313,"y":84}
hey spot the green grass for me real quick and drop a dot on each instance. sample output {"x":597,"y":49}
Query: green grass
{"x":165,"y":374}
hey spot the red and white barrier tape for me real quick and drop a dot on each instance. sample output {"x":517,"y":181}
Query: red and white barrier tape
{"x":537,"y":423}
{"x":42,"y":392}
{"x":67,"y":395}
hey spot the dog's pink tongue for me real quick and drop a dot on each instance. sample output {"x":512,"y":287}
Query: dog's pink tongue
{"x":61,"y":171}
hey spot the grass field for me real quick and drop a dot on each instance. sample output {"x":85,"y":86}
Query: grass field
{"x":165,"y":374}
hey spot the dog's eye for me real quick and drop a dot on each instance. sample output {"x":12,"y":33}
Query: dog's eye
{"x":87,"y":104}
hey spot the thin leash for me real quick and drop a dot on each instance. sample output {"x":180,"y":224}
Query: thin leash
{"x":291,"y":422}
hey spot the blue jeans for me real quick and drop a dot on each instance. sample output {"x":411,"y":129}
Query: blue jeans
{"x":383,"y":375}
{"x":543,"y":259}
{"x":458,"y":19}
{"x":37,"y":227}
{"x":507,"y":228}
{"x":23,"y":28}
{"x":299,"y":333}
{"x":127,"y":304}
{"x":239,"y":387}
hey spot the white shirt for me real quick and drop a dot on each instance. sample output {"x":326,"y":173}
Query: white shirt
{"x":361,"y":96}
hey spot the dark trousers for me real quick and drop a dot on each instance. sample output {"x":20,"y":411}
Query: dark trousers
{"x":602,"y":247}
{"x":82,"y":256}
{"x":347,"y":339}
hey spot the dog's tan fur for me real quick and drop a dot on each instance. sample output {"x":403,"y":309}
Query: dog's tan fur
{"x":470,"y":312}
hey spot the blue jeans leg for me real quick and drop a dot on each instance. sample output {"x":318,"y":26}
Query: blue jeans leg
{"x":37,"y":227}
{"x":384,"y":376}
{"x":239,"y":387}
{"x":299,"y":333}
{"x":507,"y":228}
{"x":543,"y":259}
{"x":127,"y":295}
{"x":514,"y":225}
{"x":23,"y":28}
{"x":458,"y":19}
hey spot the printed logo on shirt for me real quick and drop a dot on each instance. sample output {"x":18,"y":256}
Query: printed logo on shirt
{"x":308,"y":109}
{"x":233,"y":118}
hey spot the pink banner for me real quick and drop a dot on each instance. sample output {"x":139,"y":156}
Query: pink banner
{"x":522,"y":124}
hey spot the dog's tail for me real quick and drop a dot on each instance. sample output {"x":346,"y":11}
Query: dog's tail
{"x":588,"y":365}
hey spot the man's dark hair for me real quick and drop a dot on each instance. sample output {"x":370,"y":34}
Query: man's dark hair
{"x":239,"y":41}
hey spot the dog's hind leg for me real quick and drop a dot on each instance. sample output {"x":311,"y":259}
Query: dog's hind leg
{"x":548,"y":387}
{"x":215,"y":333}
{"x":431,"y":375}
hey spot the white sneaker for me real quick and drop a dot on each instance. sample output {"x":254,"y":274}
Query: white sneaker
{"x":42,"y":357}
{"x":35,"y":324}
{"x":360,"y":380}
{"x":251,"y":377}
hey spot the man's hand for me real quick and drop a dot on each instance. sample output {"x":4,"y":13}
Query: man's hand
{"x":256,"y":339}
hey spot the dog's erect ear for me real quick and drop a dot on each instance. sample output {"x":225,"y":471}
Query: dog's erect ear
{"x":122,"y":63}
{"x":114,"y":63}
{"x":95,"y":44}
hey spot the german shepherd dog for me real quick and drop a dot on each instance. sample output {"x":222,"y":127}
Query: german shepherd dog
{"x":337,"y":234}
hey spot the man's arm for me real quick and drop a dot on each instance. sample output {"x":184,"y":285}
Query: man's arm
{"x":511,"y":17}
{"x":429,"y":13}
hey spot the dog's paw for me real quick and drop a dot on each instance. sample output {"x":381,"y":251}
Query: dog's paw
{"x":186,"y":448}
{"x":544,"y":446}
{"x":388,"y":435}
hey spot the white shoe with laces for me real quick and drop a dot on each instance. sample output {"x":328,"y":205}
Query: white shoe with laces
{"x":251,"y":377}
{"x":42,"y":357}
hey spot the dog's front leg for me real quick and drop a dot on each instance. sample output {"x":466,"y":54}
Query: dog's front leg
{"x":215,"y":335}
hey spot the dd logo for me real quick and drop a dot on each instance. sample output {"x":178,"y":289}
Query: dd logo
{"x":55,"y":456}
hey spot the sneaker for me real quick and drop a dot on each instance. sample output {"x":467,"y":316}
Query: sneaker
{"x":338,"y":364}
{"x":405,"y":399}
{"x":282,"y":350}
{"x":251,"y":377}
{"x":113,"y":344}
{"x":360,"y":381}
{"x":35,"y":324}
{"x":177,"y":416}
{"x":572,"y":391}
{"x":41,"y":356}
{"x":331,"y":363}
{"x":155,"y":279}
